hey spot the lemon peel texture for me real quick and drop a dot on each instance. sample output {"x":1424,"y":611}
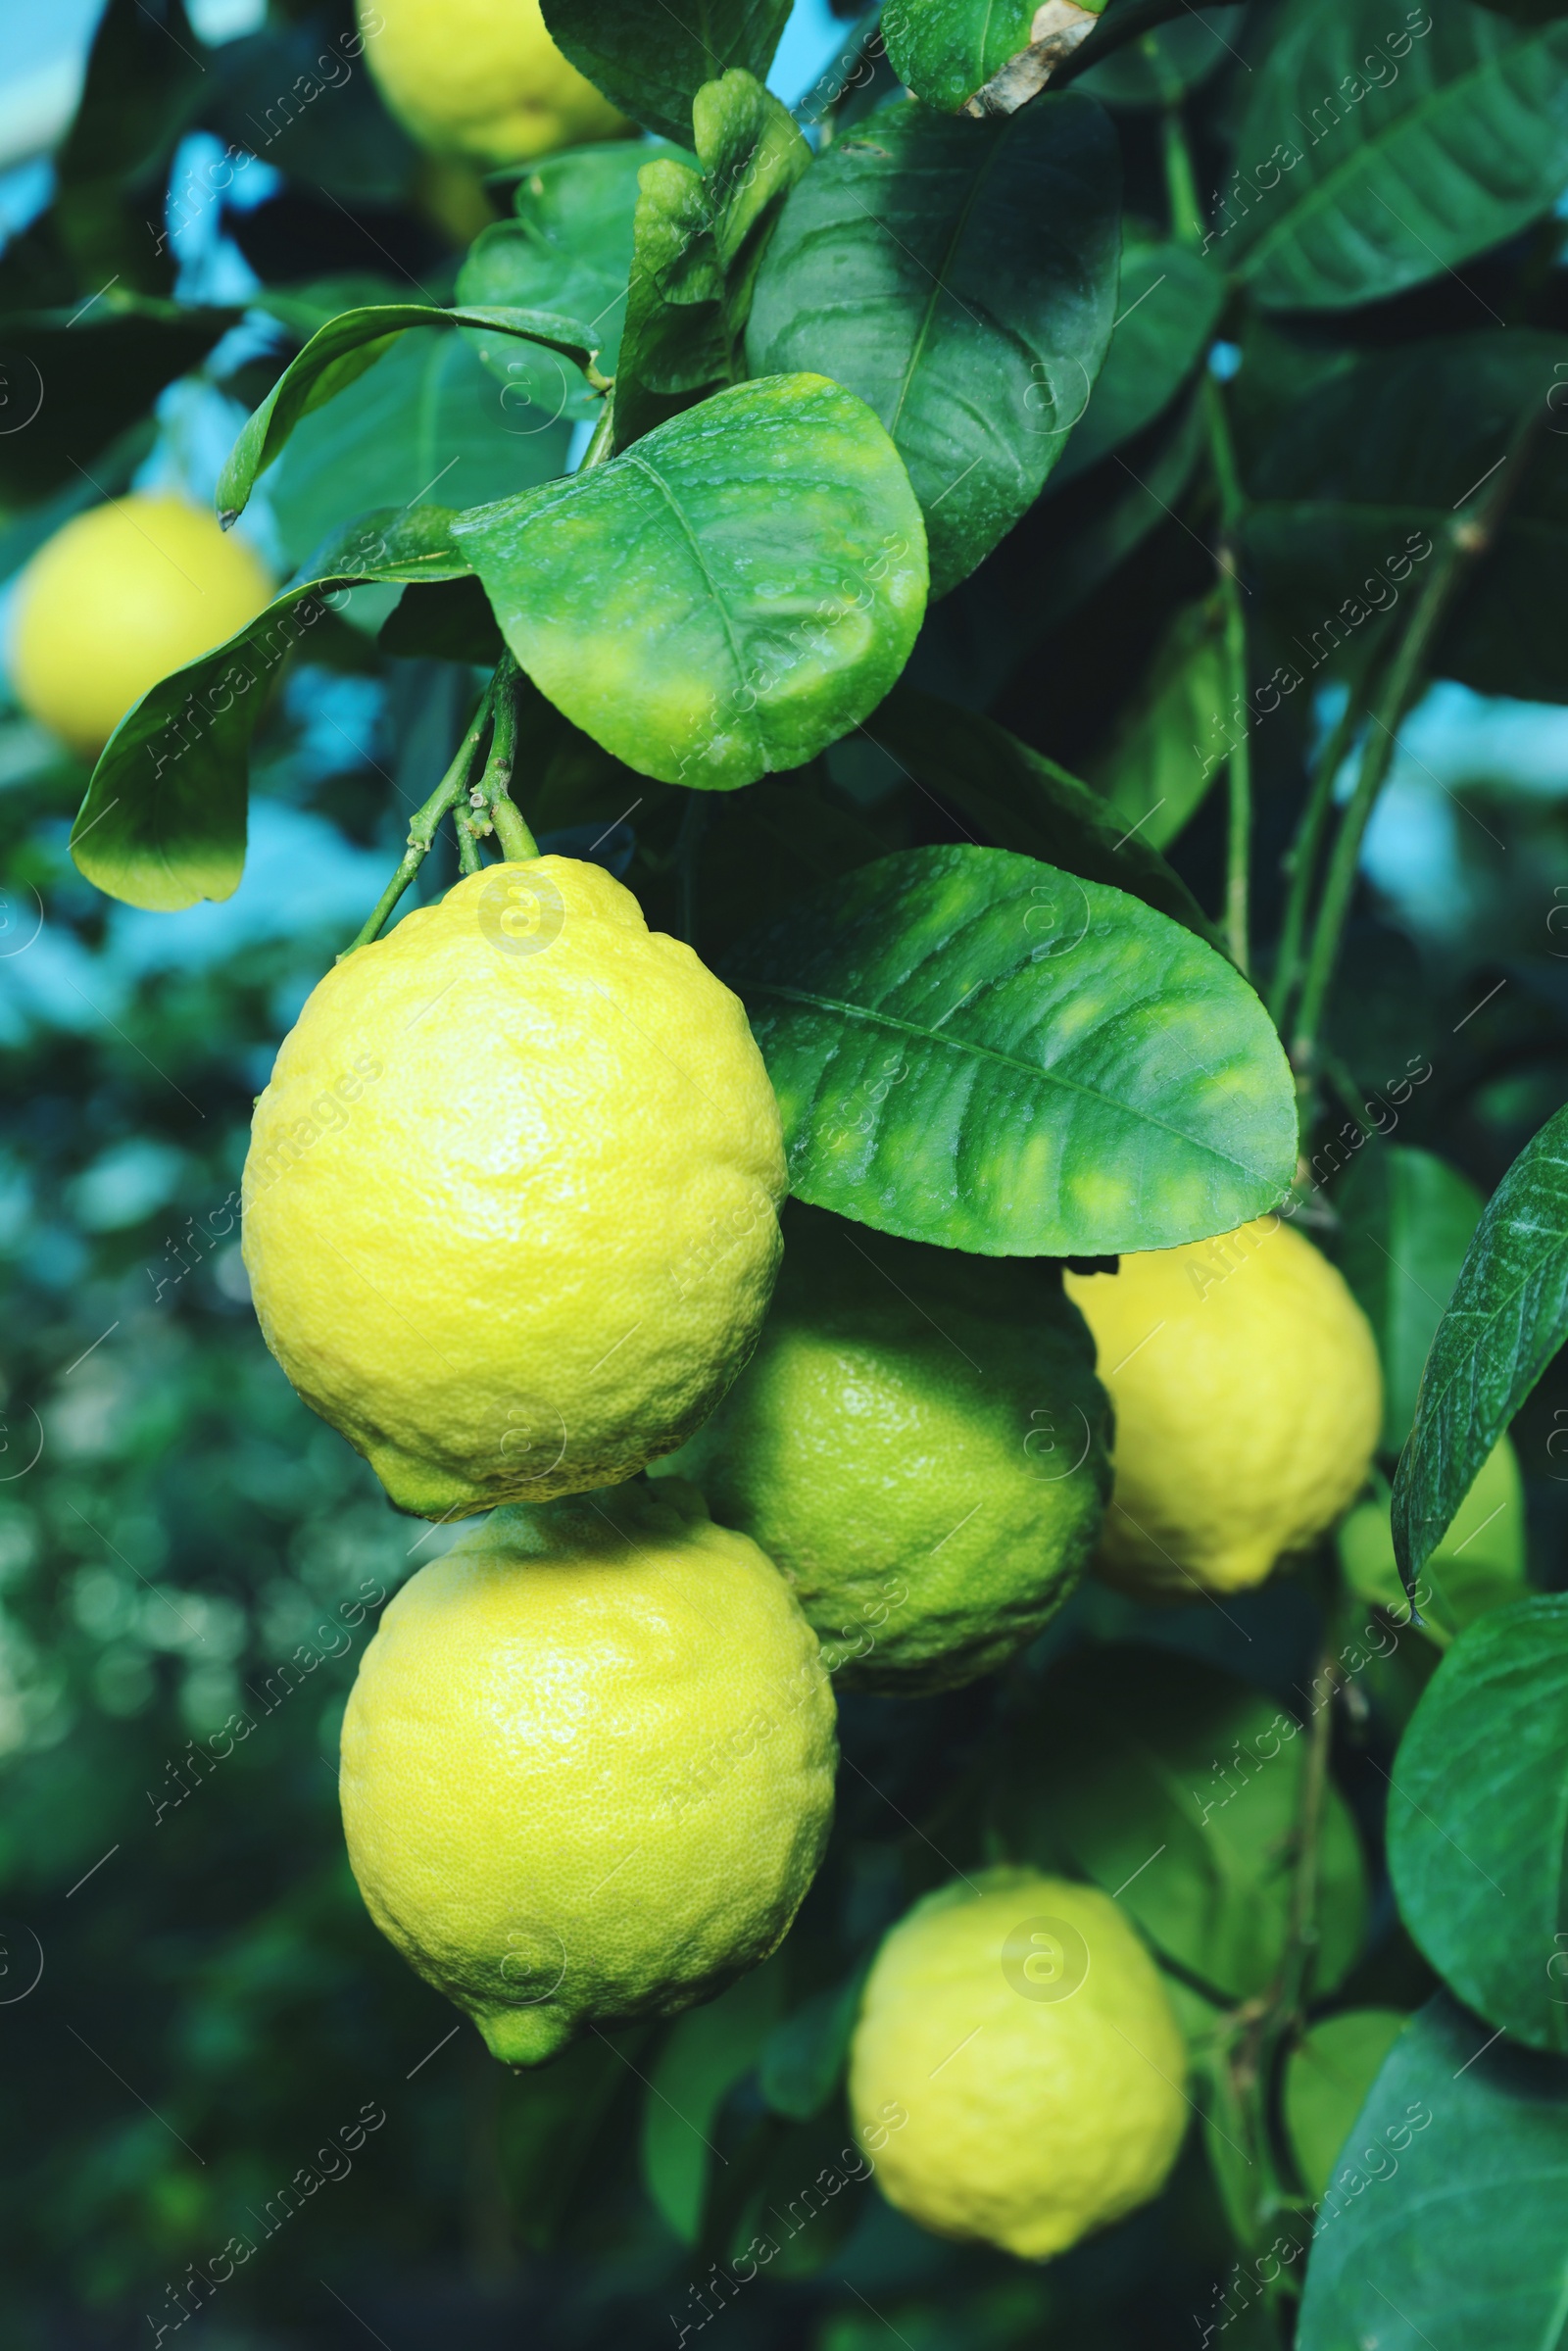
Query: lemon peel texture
{"x":1016,"y":2070}
{"x":919,"y":1445}
{"x":588,"y":1766}
{"x":510,"y":1203}
{"x":1247,"y":1397}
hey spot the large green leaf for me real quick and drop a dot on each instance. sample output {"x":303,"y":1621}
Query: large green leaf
{"x":962,"y":277}
{"x":1161,"y":760}
{"x":1384,"y":144}
{"x":1163,"y":63}
{"x":1372,"y":465}
{"x":697,"y":244}
{"x":1506,"y":1319}
{"x":1176,"y":1788}
{"x":727,"y":598}
{"x":428,"y":420}
{"x":1441,"y":2229}
{"x":1407,"y":1218}
{"x":164,"y":820}
{"x":339,"y":353}
{"x":946,"y":50}
{"x":651,"y":61}
{"x":1026,"y":801}
{"x":568,"y":249}
{"x":1077,"y":1075}
{"x":1167,"y":308}
{"x":1478,"y":1820}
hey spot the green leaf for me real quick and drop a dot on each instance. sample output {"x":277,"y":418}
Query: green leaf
{"x":1156,"y":770}
{"x":1369,"y":468}
{"x":707,"y":2052}
{"x":651,"y":61}
{"x":164,"y":820}
{"x":427,"y":419}
{"x":1162,"y":65}
{"x":567,"y":250}
{"x":1442,"y":2228}
{"x":1399,"y":143}
{"x":803,"y":2057}
{"x":1167,"y":308}
{"x":1176,"y":1788}
{"x":1407,"y":1218}
{"x":945,"y":50}
{"x":1326,"y":2084}
{"x":1478,"y":1566}
{"x":443,"y":620}
{"x":698,"y":245}
{"x":1078,"y":1075}
{"x":1026,"y":801}
{"x":962,"y":277}
{"x":71,"y":383}
{"x":727,"y":598}
{"x":1478,"y":1817}
{"x":143,"y":83}
{"x":1506,"y":1319}
{"x":340,"y":352}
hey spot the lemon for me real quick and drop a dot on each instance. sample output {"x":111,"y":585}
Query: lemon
{"x":1247,"y":1397}
{"x":588,"y":1766}
{"x":511,"y":1203}
{"x":1016,"y":2070}
{"x":119,"y":598}
{"x":919,"y":1445}
{"x":481,"y":78}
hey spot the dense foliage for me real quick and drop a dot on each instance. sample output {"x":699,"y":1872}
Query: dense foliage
{"x":1129,"y":469}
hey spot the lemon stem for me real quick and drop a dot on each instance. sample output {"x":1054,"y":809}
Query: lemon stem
{"x":424,"y":824}
{"x":518,"y":844}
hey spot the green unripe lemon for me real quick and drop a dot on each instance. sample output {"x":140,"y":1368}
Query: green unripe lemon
{"x":919,"y":1445}
{"x":1016,"y":2071}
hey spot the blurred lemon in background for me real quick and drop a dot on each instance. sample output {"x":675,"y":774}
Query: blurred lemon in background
{"x":119,"y":598}
{"x":1247,"y":1397}
{"x":481,"y":78}
{"x":1016,"y":2071}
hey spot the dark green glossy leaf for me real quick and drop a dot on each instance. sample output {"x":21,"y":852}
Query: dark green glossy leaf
{"x":727,"y":598}
{"x":962,"y":277}
{"x":298,"y":96}
{"x":568,"y":249}
{"x":144,"y":81}
{"x":1167,"y":308}
{"x":652,"y":62}
{"x":443,"y":620}
{"x":1176,"y":1786}
{"x":1478,"y":1566}
{"x":428,"y":420}
{"x":699,"y":242}
{"x":1407,"y":1218}
{"x":1078,"y":1074}
{"x":341,"y":352}
{"x":945,"y":50}
{"x":1477,"y":1819}
{"x":1384,"y":144}
{"x":1326,"y":2084}
{"x":1442,"y":2226}
{"x":1157,"y":767}
{"x":73,"y":382}
{"x":1369,"y":469}
{"x":1026,"y":801}
{"x":1162,"y":65}
{"x":1506,"y":1320}
{"x":164,"y":820}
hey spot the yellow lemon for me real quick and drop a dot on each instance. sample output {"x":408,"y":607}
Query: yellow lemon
{"x":919,"y":1445}
{"x":119,"y":598}
{"x":481,"y":78}
{"x":588,"y":1766}
{"x":1016,"y":2071}
{"x":1248,"y":1399}
{"x":511,"y":1203}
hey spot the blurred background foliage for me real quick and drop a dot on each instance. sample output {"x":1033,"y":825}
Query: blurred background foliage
{"x":190,"y":1564}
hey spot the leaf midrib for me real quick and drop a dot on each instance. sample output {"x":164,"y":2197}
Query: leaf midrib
{"x":1325,"y":190}
{"x":635,"y":456}
{"x":940,"y":284}
{"x":1029,"y":1069}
